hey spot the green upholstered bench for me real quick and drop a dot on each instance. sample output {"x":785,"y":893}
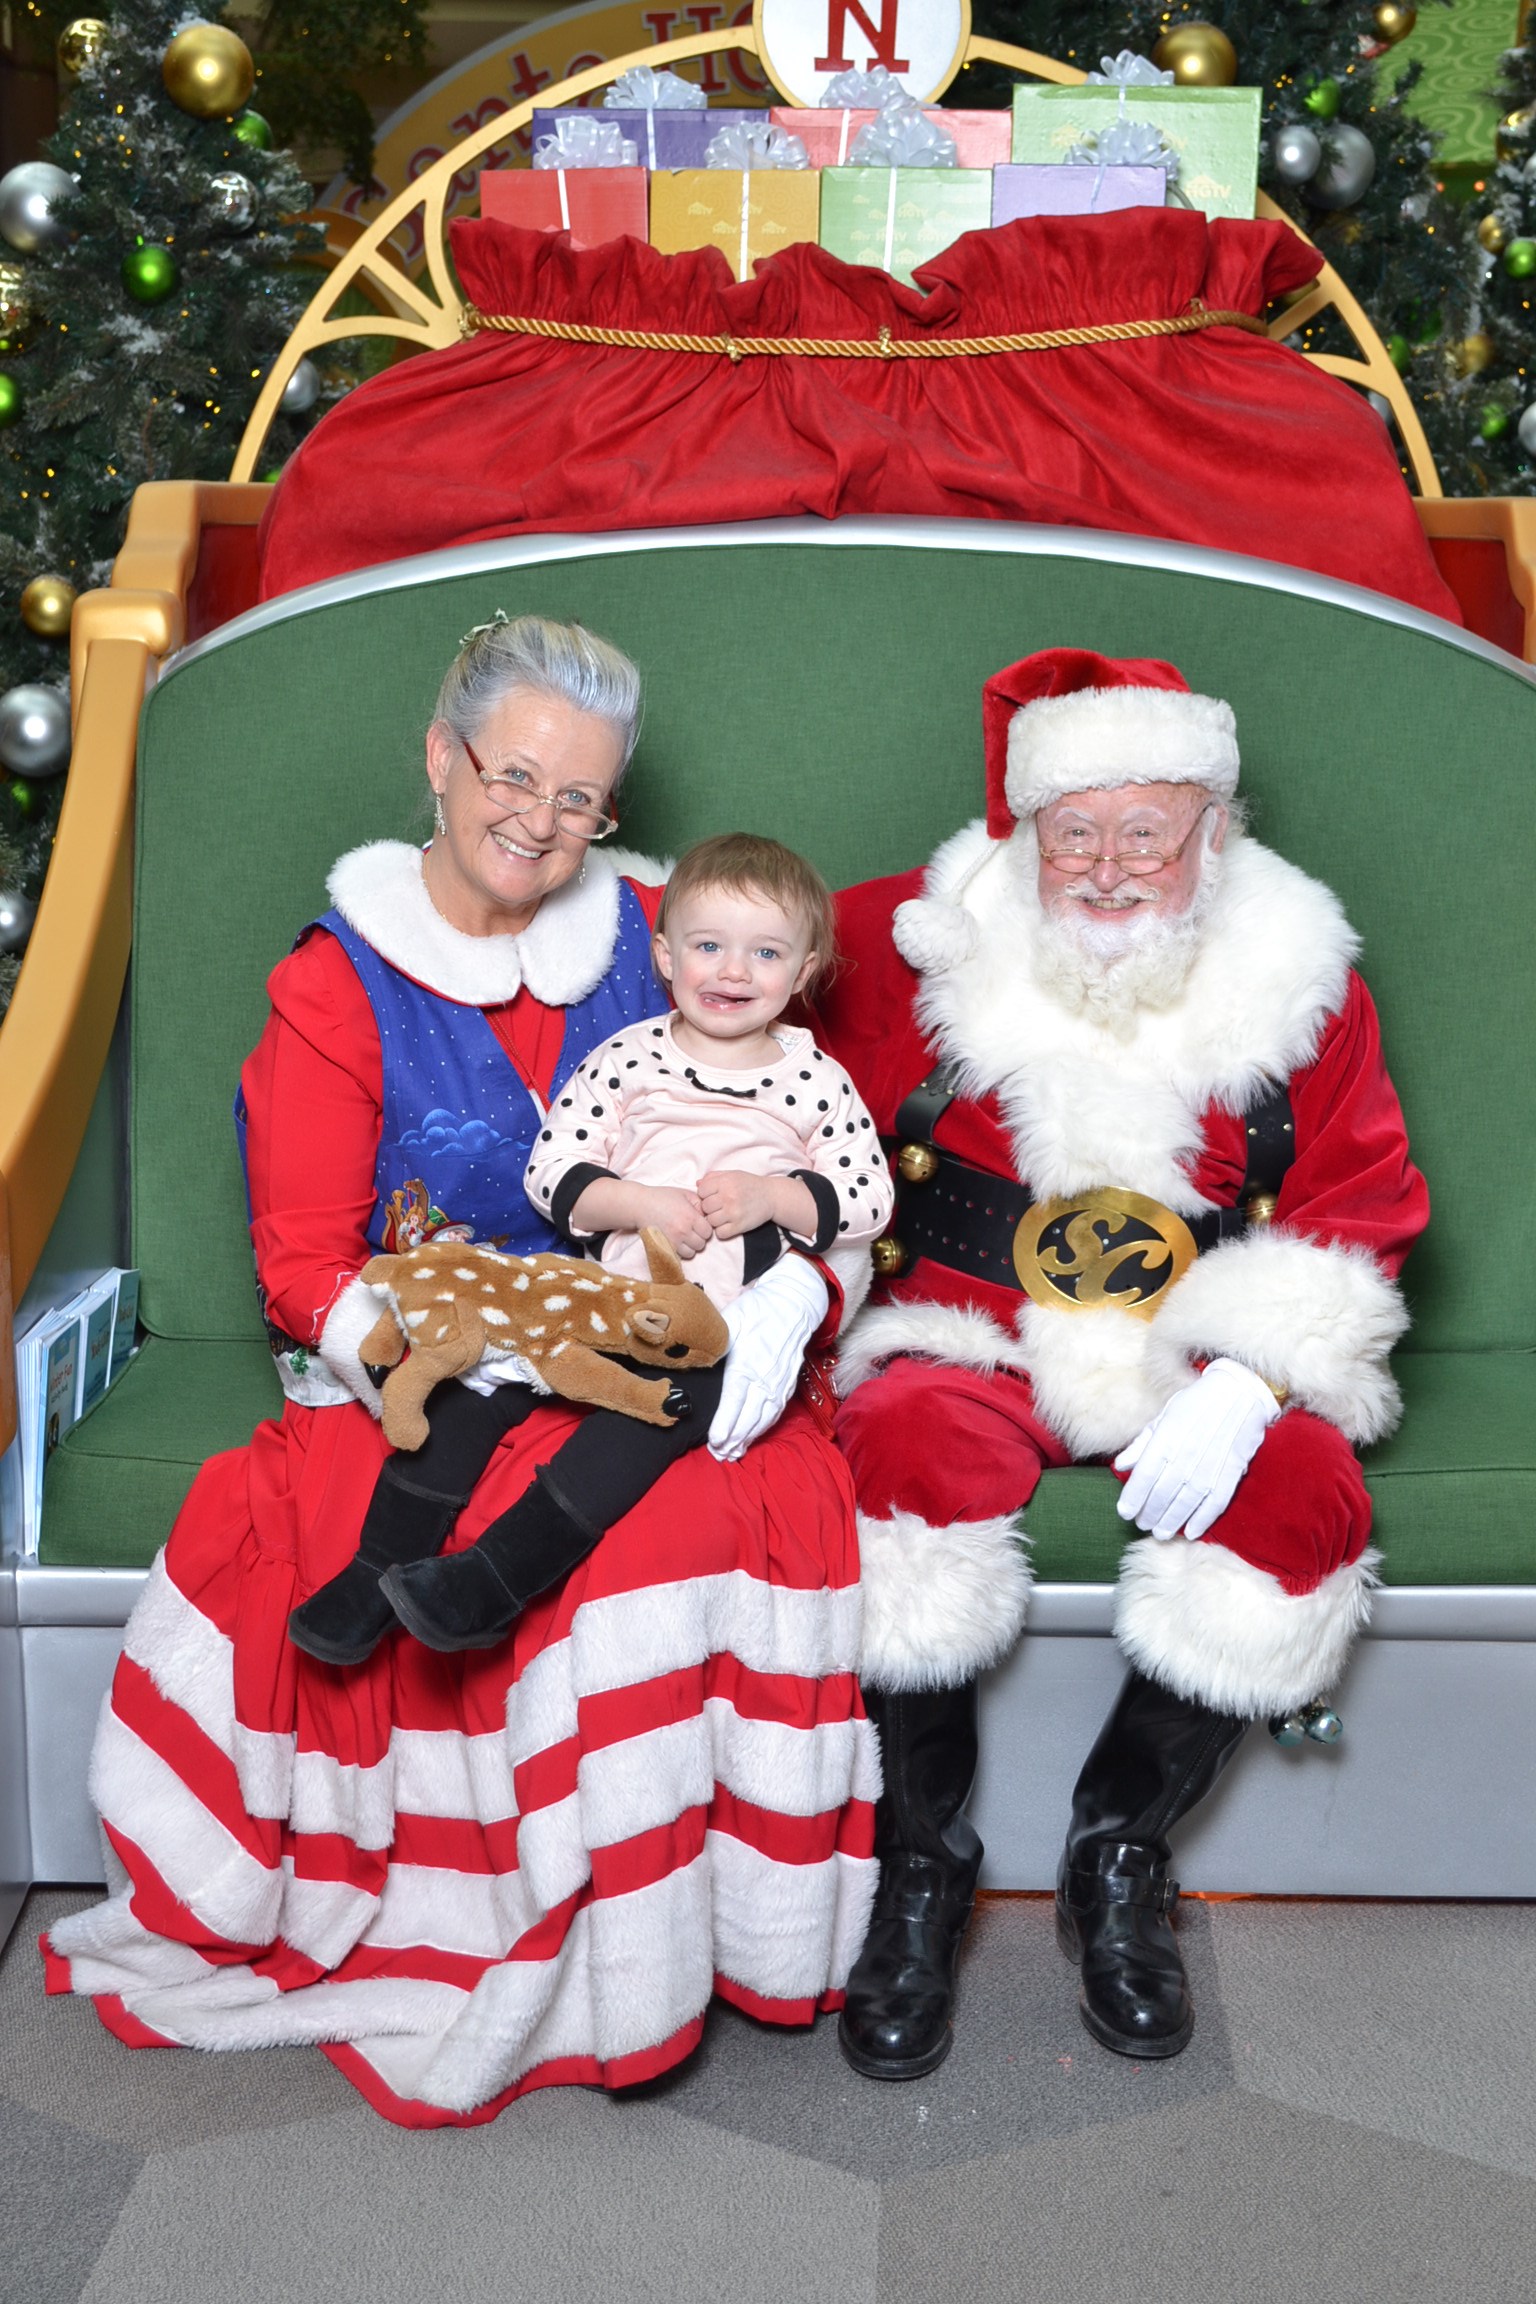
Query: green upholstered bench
{"x":822,"y":683}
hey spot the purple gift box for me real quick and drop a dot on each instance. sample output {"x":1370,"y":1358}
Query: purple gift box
{"x":1038,"y":188}
{"x":662,"y":139}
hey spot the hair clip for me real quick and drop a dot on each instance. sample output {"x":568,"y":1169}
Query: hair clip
{"x":500,"y":617}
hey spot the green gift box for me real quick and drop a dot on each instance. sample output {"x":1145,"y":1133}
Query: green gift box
{"x":1214,"y":131}
{"x":899,"y":217}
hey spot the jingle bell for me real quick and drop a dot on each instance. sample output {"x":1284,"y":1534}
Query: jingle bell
{"x":888,"y":1256}
{"x":1289,"y":1731}
{"x":1323,"y":1724}
{"x":918,"y":1163}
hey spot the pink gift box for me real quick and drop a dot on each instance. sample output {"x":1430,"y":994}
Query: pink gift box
{"x":1037,"y":188}
{"x":592,"y":204}
{"x":982,"y":139}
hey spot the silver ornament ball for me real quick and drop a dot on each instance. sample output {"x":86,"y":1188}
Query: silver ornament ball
{"x":17,"y":913}
{"x":28,"y":196}
{"x":232,"y":199}
{"x":1346,"y":172}
{"x":34,"y":731}
{"x":1298,"y":154}
{"x":302,"y":389}
{"x":1525,"y":430}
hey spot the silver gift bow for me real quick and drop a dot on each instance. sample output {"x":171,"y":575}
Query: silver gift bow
{"x":873,"y":91}
{"x":586,"y":142}
{"x":1128,"y":70}
{"x":643,"y":89}
{"x":903,"y":138}
{"x":745,"y":145}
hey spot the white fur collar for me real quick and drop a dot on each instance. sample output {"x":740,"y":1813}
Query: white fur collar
{"x":1085,"y":1107}
{"x":562,"y":955}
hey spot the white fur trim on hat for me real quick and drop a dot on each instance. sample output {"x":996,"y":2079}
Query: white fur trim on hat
{"x":1103,"y":737}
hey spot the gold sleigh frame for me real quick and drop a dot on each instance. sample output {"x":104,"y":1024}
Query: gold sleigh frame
{"x":424,"y":311}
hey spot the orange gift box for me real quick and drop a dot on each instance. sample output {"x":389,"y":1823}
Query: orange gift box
{"x":592,"y":204}
{"x":745,"y":213}
{"x":982,"y":139}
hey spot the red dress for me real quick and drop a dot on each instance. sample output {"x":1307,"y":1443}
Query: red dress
{"x":470,"y":1876}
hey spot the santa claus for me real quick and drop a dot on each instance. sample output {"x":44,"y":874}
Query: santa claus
{"x":1155,"y":1195}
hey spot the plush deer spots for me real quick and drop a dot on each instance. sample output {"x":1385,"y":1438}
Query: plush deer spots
{"x":548,"y":1312}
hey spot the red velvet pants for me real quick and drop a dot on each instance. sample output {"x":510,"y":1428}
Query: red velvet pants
{"x":951,"y":1444}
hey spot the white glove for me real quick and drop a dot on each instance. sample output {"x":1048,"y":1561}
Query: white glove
{"x":1189,"y":1459}
{"x":770,"y":1325}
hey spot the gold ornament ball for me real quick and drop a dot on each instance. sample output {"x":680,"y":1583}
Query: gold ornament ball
{"x":1198,"y":56}
{"x":1473,"y":354}
{"x":81,"y":43}
{"x":15,"y":303}
{"x":47,"y":606}
{"x":1492,"y":234}
{"x":208,"y":71}
{"x":1393,"y":22}
{"x":1513,"y":131}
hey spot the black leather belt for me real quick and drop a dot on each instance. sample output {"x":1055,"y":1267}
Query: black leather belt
{"x":961,"y":1216}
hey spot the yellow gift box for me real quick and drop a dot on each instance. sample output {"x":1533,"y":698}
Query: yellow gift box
{"x":745,"y":213}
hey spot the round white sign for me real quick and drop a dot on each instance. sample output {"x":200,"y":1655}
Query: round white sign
{"x":804,"y":44}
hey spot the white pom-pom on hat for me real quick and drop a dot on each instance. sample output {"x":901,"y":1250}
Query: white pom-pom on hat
{"x":932,"y":935}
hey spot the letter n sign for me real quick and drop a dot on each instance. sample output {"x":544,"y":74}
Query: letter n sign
{"x":805,"y":44}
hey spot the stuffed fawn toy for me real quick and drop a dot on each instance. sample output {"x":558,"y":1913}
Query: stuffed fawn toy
{"x":453,"y":1303}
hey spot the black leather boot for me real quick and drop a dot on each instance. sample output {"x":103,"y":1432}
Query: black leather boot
{"x":473,"y":1598}
{"x":346,"y":1619}
{"x":415,"y":1503}
{"x":1156,"y":1756}
{"x":895,"y":2023}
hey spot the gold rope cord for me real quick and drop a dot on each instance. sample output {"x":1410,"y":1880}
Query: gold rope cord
{"x":883,"y":347}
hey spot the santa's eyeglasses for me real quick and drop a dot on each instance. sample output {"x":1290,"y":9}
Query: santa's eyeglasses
{"x":1077,"y":849}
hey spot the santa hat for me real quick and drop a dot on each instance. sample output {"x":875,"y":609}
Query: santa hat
{"x":1068,"y":720}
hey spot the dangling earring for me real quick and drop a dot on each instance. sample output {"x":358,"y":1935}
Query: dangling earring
{"x":581,"y":875}
{"x":437,"y":812}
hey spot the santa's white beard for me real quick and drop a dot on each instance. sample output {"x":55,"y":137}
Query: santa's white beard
{"x":1109,"y":967}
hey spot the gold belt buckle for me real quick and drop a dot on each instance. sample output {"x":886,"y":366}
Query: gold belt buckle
{"x":1105,"y":1247}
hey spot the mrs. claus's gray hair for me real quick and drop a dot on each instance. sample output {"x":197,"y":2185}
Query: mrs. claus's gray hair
{"x":560,"y":660}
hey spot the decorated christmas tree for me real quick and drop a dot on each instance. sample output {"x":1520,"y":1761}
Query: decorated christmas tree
{"x":1341,"y":153}
{"x":1502,"y":256}
{"x":148,"y":277}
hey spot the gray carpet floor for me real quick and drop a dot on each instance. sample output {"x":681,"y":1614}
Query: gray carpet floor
{"x":1354,"y":2123}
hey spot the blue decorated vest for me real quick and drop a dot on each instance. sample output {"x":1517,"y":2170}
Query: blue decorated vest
{"x":458,"y":1120}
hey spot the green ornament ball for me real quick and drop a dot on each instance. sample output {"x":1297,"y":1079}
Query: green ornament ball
{"x":24,"y":797}
{"x":10,"y":400}
{"x":1493,"y":423}
{"x":1520,"y":259}
{"x":150,"y":274}
{"x":250,"y":129}
{"x":1399,"y":352}
{"x":1323,"y":100}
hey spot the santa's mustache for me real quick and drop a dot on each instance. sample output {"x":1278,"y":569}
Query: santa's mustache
{"x":1129,"y":892}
